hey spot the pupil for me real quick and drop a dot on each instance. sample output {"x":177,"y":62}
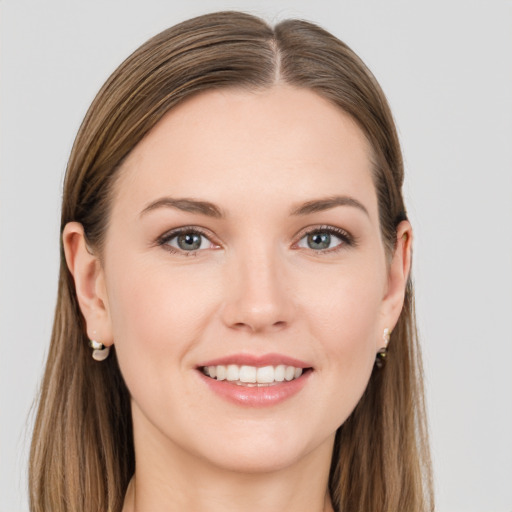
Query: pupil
{"x":319,"y":240}
{"x":189,"y":241}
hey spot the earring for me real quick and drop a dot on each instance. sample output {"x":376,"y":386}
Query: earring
{"x":100,"y":352}
{"x":380,"y":359}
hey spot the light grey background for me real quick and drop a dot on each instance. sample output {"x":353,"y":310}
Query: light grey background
{"x":446,"y":67}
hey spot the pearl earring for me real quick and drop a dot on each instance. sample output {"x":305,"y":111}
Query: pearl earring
{"x":100,"y":352}
{"x":380,"y":359}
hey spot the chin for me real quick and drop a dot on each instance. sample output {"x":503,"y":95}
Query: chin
{"x":265,"y":452}
{"x":254,"y":462}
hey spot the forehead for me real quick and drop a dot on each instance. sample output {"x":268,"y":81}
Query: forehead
{"x":247,"y":146}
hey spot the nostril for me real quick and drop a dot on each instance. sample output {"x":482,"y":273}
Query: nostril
{"x":241,"y":326}
{"x":281,"y":324}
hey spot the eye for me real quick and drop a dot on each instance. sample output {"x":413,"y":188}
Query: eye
{"x":324,"y":239}
{"x":186,"y":240}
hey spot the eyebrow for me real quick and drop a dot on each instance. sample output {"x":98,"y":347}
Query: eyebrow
{"x":186,"y":205}
{"x":320,"y":205}
{"x":212,"y":210}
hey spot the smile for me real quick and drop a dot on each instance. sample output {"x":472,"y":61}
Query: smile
{"x":255,"y":380}
{"x":245,"y":375}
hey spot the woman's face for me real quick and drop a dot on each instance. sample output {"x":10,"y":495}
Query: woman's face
{"x":244,"y":237}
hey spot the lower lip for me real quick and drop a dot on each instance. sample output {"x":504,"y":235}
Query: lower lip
{"x":256,"y":396}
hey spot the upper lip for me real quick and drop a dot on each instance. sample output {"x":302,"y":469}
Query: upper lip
{"x":256,"y":360}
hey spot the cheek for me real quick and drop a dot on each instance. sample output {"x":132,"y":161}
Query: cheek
{"x":345,"y":324}
{"x":347,"y":304}
{"x":156,"y":313}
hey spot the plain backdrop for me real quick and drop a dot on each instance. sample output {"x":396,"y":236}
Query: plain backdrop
{"x":446,"y":67}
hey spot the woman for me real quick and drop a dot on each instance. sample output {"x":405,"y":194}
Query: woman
{"x":235,"y":260}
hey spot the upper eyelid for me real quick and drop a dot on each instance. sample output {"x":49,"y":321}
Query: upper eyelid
{"x":185,"y":229}
{"x":324,"y":227}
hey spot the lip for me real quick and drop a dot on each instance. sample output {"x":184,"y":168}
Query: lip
{"x":264,"y":396}
{"x":257,"y":360}
{"x":256,"y":396}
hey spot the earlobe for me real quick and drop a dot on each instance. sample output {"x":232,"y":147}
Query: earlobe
{"x":398,"y":275}
{"x":89,"y":279}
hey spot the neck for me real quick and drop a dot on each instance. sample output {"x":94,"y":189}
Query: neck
{"x":272,"y":494}
{"x":171,"y":479}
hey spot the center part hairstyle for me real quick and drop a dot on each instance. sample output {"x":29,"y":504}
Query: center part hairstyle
{"x":82,"y":454}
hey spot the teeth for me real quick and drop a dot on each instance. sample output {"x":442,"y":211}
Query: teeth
{"x":279,"y":372}
{"x":289,"y":373}
{"x":265,"y":375}
{"x":232,"y":372}
{"x":247,"y":374}
{"x":253,"y":374}
{"x":219,"y":370}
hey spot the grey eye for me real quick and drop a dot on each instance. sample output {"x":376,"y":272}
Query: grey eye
{"x":189,"y":241}
{"x":320,"y":240}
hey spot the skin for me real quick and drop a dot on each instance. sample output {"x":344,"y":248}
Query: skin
{"x":256,"y":286}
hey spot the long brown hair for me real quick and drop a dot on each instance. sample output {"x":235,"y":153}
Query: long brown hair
{"x":82,"y":454}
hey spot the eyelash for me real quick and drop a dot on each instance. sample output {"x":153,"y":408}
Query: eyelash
{"x":347,"y":240}
{"x":170,"y":235}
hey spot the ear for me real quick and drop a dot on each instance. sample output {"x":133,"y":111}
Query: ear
{"x":89,"y":279}
{"x":398,"y":275}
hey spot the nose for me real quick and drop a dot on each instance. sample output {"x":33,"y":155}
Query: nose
{"x":258,"y":295}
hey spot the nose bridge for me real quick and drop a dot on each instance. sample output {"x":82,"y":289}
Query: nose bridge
{"x":258,"y":297}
